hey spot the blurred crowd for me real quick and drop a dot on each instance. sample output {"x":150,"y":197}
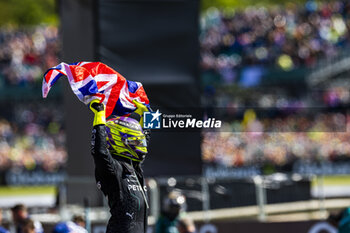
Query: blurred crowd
{"x":32,"y":137}
{"x":31,"y":133}
{"x":331,"y":97}
{"x":26,"y":53}
{"x":21,"y":221}
{"x":279,"y":129}
{"x":279,"y":142}
{"x":286,"y":36}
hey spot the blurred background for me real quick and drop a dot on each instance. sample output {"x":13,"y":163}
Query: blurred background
{"x":275,"y":72}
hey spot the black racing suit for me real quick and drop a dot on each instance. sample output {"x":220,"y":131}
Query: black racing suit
{"x":121,"y":182}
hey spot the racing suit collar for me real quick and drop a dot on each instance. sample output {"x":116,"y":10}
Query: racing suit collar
{"x":126,"y":163}
{"x":123,"y":159}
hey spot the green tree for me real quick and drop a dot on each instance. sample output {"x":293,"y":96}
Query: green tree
{"x":27,"y":12}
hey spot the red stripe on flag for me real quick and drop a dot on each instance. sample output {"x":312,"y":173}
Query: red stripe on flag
{"x":101,"y":84}
{"x":114,"y":96}
{"x":48,"y":76}
{"x":79,"y":73}
{"x":98,"y":68}
{"x":142,"y":94}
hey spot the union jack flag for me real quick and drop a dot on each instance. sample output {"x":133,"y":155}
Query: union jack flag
{"x":95,"y":80}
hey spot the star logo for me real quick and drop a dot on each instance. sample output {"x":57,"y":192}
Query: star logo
{"x":156,"y":115}
{"x":151,"y":120}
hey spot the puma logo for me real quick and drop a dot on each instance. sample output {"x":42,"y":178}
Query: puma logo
{"x":130,"y":215}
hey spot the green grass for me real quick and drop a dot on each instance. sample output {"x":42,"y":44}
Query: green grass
{"x":238,"y":4}
{"x":27,"y":190}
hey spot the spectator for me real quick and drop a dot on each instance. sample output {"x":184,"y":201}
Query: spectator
{"x":21,"y":219}
{"x":172,"y":204}
{"x":341,"y":220}
{"x":28,"y":226}
{"x":79,"y":220}
{"x":69,"y":227}
{"x":2,"y":229}
{"x":186,"y":225}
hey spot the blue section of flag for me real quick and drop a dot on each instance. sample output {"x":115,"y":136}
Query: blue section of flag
{"x":55,"y":79}
{"x":132,"y":86}
{"x":120,"y":110}
{"x":58,"y":67}
{"x":89,"y":88}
